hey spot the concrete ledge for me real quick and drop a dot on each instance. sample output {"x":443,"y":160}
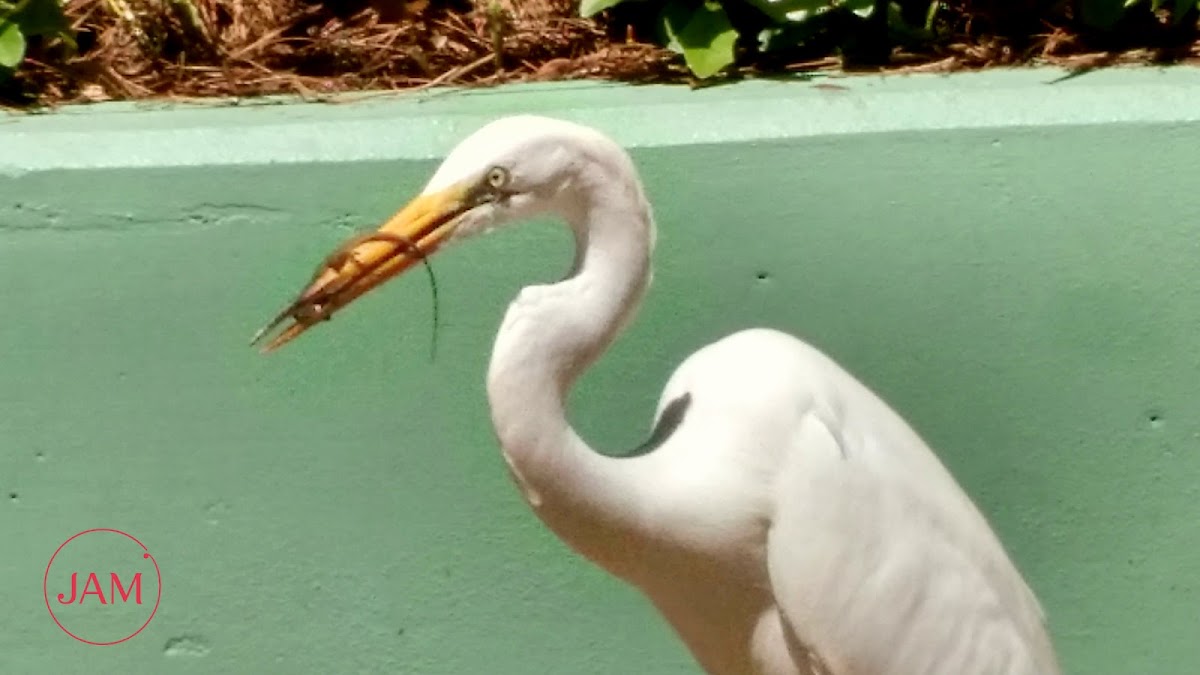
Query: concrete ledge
{"x":426,"y":125}
{"x":1011,"y":262}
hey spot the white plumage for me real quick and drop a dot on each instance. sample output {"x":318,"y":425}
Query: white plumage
{"x":785,"y":520}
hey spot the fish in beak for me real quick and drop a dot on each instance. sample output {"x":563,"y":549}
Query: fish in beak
{"x":366,"y":261}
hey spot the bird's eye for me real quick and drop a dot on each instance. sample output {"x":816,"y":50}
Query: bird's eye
{"x":497,"y":177}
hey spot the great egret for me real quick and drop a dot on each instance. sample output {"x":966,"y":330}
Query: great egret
{"x":782,"y":518}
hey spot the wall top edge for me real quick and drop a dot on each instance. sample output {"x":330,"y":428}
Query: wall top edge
{"x":425,"y":125}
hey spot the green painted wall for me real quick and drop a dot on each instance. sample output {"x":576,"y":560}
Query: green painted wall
{"x":1011,"y":263}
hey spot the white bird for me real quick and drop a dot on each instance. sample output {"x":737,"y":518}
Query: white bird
{"x":782,"y":518}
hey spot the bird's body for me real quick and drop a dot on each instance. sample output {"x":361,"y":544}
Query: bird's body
{"x":785,"y":520}
{"x":792,"y":523}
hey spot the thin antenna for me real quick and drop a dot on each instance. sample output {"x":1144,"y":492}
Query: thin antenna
{"x":416,"y":250}
{"x":434,"y":290}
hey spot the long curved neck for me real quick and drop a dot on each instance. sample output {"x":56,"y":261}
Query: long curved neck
{"x":550,"y":335}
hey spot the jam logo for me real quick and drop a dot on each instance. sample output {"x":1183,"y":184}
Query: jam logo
{"x":102,"y":586}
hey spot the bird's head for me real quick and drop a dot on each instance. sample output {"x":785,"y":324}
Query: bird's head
{"x":511,"y":169}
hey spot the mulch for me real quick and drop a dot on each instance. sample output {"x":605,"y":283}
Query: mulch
{"x":318,"y":49}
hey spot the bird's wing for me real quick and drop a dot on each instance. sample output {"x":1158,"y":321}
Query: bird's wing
{"x":879,"y":573}
{"x":878,"y":561}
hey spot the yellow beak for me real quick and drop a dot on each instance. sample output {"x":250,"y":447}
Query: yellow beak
{"x":367,"y":261}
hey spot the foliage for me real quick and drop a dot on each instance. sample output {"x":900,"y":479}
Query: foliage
{"x":703,"y":35}
{"x":1105,"y":14}
{"x":715,"y":34}
{"x":137,"y":49}
{"x":23,"y":20}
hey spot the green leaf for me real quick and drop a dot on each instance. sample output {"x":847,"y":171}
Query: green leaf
{"x":41,"y":17}
{"x":1180,"y":9}
{"x":794,"y":11}
{"x":593,"y":7}
{"x":703,"y":35}
{"x":673,"y":17}
{"x":931,"y":13}
{"x":902,"y":32}
{"x":1104,"y":14}
{"x":863,"y":8}
{"x":12,"y":45}
{"x":783,"y":11}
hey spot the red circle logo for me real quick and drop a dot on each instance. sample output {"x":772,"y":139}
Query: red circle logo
{"x":103,"y":586}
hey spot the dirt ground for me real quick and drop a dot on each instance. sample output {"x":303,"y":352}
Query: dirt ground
{"x":139,"y":49}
